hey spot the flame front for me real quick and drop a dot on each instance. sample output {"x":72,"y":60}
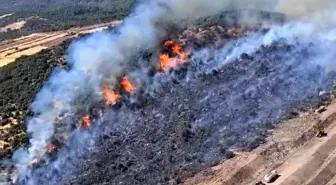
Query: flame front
{"x":177,"y":49}
{"x":127,"y":85}
{"x":167,"y":62}
{"x":52,"y":148}
{"x":86,"y":121}
{"x":164,"y":61}
{"x":111,"y":97}
{"x":168,"y":43}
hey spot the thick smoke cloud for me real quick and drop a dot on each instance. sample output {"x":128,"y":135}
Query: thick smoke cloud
{"x":98,"y":59}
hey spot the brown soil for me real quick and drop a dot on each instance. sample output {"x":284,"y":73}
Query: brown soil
{"x":13,"y":26}
{"x":293,"y":151}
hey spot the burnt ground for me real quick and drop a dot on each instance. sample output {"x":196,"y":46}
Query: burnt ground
{"x":194,"y":121}
{"x":22,"y":79}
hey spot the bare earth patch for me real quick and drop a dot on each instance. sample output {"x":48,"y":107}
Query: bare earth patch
{"x":32,"y":44}
{"x":13,"y":26}
{"x":293,"y":151}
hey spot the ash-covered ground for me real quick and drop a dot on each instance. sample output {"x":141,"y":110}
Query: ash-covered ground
{"x":229,"y":95}
{"x":196,"y":120}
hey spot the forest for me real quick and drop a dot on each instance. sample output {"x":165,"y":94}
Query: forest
{"x":20,"y":81}
{"x":45,"y":16}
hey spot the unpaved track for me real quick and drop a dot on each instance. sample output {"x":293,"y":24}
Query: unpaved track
{"x":32,"y":44}
{"x":293,"y":150}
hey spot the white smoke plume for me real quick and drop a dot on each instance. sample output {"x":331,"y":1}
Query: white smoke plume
{"x":309,"y":21}
{"x":99,"y":58}
{"x":102,"y":57}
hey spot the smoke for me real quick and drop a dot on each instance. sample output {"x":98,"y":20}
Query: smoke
{"x":99,"y":58}
{"x":292,"y":9}
{"x":313,"y":24}
{"x":103,"y":57}
{"x":301,"y":8}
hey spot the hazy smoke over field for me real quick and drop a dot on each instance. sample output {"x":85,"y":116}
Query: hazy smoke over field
{"x":102,"y":57}
{"x":303,"y":7}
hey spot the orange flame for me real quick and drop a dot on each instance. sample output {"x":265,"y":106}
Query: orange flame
{"x":111,"y":97}
{"x":127,"y":85}
{"x":164,"y":61}
{"x":167,"y":62}
{"x":52,"y":148}
{"x":86,"y":121}
{"x":168,"y":43}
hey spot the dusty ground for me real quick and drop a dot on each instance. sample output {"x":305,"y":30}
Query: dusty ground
{"x":13,"y":26}
{"x":29,"y":45}
{"x":293,"y":150}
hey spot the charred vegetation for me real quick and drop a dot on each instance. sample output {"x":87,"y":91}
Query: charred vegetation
{"x":193,"y":119}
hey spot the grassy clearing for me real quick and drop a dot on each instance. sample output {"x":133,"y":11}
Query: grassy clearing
{"x":13,"y":26}
{"x":11,"y":58}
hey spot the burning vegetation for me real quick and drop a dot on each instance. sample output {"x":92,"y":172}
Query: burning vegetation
{"x":127,"y":85}
{"x":111,"y":97}
{"x":174,"y":57}
{"x":86,"y":121}
{"x":52,"y":148}
{"x":183,"y":127}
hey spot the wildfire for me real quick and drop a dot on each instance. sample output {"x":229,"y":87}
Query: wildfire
{"x":127,"y":85}
{"x":177,"y":49}
{"x":164,"y":61}
{"x":168,"y":43}
{"x":167,"y":62}
{"x":86,"y":121}
{"x":51,"y":148}
{"x":111,"y":97}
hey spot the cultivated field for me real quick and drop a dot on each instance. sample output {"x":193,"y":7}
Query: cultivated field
{"x":32,"y":44}
{"x":13,"y":26}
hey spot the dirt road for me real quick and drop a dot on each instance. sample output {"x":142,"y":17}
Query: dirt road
{"x":293,"y":151}
{"x":32,"y":44}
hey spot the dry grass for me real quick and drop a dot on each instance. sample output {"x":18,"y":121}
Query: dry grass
{"x":13,"y":26}
{"x":11,"y":58}
{"x":32,"y":44}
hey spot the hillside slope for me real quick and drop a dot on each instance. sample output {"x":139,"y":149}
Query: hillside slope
{"x":46,"y":16}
